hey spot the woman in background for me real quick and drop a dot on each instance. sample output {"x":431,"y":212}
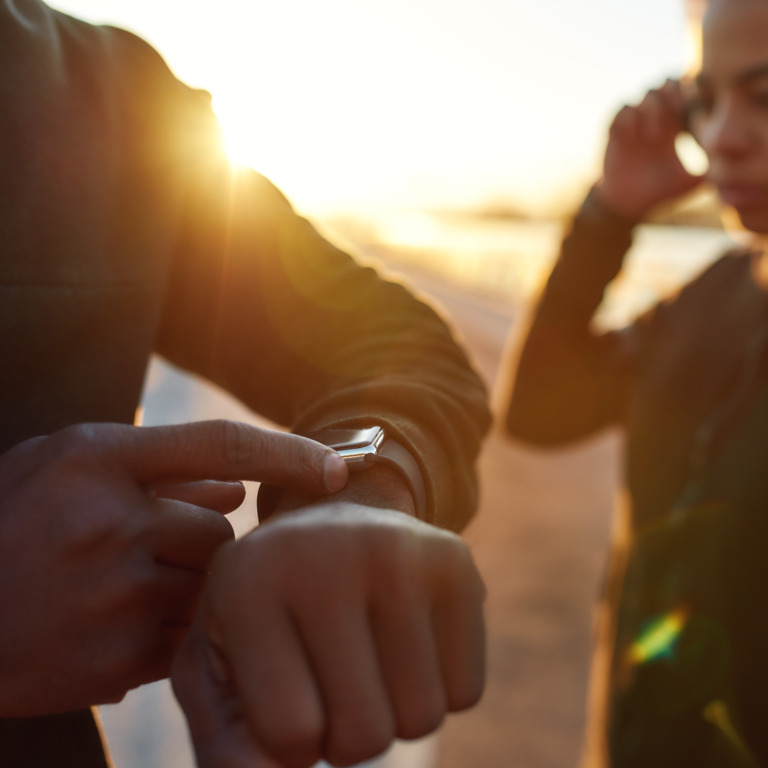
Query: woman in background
{"x":687,"y":682}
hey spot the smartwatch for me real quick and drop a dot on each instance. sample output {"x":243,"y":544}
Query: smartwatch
{"x":362,"y":449}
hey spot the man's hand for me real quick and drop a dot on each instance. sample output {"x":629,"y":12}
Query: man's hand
{"x":104,"y":545}
{"x":325,"y":634}
{"x":641,"y":167}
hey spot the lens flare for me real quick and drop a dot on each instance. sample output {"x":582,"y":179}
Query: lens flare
{"x":658,"y":638}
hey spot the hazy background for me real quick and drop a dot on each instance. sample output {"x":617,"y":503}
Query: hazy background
{"x":349,"y":104}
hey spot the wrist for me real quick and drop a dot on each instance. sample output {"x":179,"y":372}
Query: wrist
{"x":380,"y":486}
{"x":599,"y":206}
{"x":367,"y":452}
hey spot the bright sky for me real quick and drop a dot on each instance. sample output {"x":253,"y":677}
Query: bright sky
{"x":357,"y":103}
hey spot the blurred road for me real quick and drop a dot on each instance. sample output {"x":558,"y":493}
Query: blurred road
{"x":540,"y":540}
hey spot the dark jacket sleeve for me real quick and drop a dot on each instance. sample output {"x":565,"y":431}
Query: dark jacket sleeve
{"x":568,"y":380}
{"x":265,"y":307}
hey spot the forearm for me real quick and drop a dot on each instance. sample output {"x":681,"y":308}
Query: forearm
{"x":566,"y":380}
{"x":303,"y":334}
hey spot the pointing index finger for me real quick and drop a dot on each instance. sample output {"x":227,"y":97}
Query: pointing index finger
{"x":225,"y":450}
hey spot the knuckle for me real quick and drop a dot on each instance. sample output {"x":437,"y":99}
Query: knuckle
{"x":395,"y":566}
{"x":621,"y":118}
{"x":456,"y":576}
{"x":466,"y":695}
{"x":296,"y":740}
{"x":422,"y":720}
{"x":351,"y":742}
{"x":451,"y":552}
{"x":102,"y":527}
{"x":78,"y":433}
{"x":121,"y":529}
{"x":465,"y":563}
{"x":74,"y":442}
{"x":391,"y":545}
{"x":462,"y":554}
{"x":650,"y":99}
{"x":82,"y":445}
{"x":476,"y":585}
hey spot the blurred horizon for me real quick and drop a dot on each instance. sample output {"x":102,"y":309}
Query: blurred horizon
{"x":469,"y":105}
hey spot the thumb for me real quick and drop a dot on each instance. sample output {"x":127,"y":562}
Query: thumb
{"x":224,"y":450}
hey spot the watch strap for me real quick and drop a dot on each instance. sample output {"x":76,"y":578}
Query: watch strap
{"x":397,"y":456}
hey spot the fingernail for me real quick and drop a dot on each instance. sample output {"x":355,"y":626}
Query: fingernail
{"x":334,"y":472}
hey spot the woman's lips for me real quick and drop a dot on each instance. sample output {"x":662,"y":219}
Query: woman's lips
{"x":742,"y":196}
